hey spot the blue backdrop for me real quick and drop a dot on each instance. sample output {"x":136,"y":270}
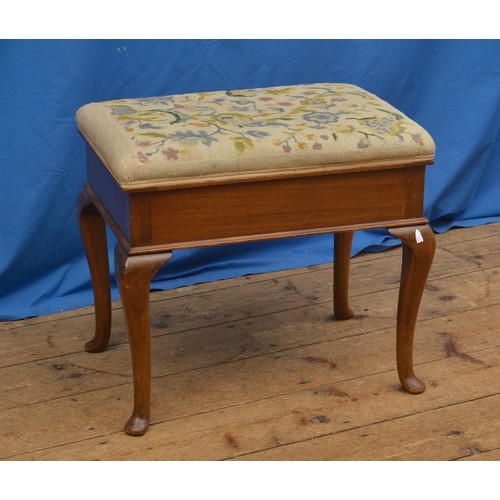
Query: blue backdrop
{"x":452,"y":88}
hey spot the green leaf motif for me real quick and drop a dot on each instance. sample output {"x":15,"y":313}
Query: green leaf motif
{"x":396,"y":115}
{"x":155,"y":134}
{"x":241,"y":144}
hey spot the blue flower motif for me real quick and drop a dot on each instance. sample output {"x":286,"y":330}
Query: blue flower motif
{"x":149,"y":126}
{"x":122,"y":110}
{"x":321,"y":117}
{"x":258,"y":133}
{"x":192,"y":137}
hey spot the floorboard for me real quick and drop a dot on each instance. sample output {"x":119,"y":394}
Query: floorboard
{"x":256,"y":368}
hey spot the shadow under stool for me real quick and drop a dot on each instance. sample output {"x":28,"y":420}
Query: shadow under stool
{"x":212,"y":168}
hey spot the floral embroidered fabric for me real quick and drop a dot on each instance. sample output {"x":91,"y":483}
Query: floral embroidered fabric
{"x":155,"y":139}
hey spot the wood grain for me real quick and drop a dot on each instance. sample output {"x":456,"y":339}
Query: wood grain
{"x":285,"y":206}
{"x":93,"y":231}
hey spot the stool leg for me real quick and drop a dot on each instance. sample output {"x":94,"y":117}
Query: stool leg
{"x":134,"y":274}
{"x":342,"y":259}
{"x":93,"y":231}
{"x":418,"y":251}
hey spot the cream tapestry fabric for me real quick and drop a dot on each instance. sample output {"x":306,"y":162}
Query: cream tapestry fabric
{"x":159,"y":140}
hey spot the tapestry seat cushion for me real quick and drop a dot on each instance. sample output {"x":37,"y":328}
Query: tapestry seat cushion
{"x":157,"y":142}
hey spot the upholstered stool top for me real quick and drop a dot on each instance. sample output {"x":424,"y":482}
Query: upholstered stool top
{"x":212,"y":136}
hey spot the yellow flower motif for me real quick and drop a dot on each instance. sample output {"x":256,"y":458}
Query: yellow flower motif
{"x":345,"y":129}
{"x":397,"y":128}
{"x":199,"y":124}
{"x":241,"y":144}
{"x":279,"y":90}
{"x":202,"y":95}
{"x":314,"y":101}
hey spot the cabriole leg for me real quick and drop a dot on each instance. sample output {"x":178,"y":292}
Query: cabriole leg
{"x":342,"y":260}
{"x":134,"y":274}
{"x":418,"y":251}
{"x":93,"y":231}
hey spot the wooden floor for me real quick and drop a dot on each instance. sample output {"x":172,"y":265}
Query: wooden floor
{"x":255,"y":368}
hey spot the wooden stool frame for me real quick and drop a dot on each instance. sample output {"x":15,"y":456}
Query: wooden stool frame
{"x":149,"y":224}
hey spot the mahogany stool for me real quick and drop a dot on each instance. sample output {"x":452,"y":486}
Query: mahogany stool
{"x":212,"y":168}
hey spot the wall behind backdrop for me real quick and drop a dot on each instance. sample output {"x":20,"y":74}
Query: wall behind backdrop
{"x":451,"y":88}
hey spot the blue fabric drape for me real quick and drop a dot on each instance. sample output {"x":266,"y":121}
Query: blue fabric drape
{"x":451,"y":87}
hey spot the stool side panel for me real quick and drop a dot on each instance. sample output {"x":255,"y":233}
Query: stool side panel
{"x":140,"y":219}
{"x":281,"y":206}
{"x":115,"y":201}
{"x":414,"y":192}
